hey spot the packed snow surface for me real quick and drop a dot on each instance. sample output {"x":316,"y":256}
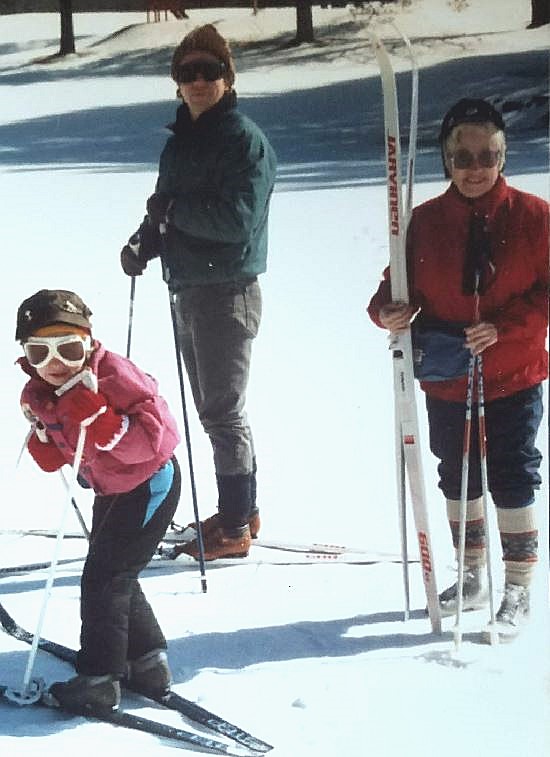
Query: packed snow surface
{"x":312,"y":656}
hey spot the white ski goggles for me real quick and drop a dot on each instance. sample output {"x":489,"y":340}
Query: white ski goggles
{"x":69,"y":349}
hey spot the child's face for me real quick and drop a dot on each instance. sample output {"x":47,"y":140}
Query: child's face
{"x":57,"y":373}
{"x":57,"y":358}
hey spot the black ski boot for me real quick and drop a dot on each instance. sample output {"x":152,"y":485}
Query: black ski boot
{"x":85,"y":693}
{"x":150,"y":675}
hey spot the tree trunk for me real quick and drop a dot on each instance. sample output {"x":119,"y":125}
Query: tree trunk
{"x":540,"y":13}
{"x":304,"y":21}
{"x":66,"y":45}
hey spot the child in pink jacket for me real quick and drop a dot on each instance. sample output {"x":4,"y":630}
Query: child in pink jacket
{"x":128,"y":461}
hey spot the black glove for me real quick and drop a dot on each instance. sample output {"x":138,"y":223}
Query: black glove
{"x":157,"y":207}
{"x":142,"y":246}
{"x":131,"y":263}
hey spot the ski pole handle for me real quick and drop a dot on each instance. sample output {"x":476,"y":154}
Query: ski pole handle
{"x":86,"y":377}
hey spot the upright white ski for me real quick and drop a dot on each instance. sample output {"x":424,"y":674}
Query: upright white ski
{"x":408,"y":452}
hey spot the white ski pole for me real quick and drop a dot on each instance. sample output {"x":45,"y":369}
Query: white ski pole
{"x":457,"y":630}
{"x":32,"y":689}
{"x":76,"y":508}
{"x":491,"y":628}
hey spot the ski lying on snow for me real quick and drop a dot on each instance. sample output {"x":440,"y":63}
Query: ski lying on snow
{"x":314,"y":549}
{"x":169,"y":556}
{"x":29,"y":567}
{"x":326,"y":549}
{"x":47,"y":532}
{"x":174,"y":701}
{"x":138,"y":723}
{"x":305,"y":553}
{"x":166,"y":557}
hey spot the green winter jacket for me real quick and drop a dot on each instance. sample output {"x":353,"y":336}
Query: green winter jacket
{"x":219,"y":172}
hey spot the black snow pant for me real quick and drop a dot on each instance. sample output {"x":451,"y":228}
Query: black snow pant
{"x":118,"y":623}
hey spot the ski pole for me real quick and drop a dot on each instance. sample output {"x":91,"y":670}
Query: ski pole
{"x":37,"y":424}
{"x":29,"y":694}
{"x":32,"y":690}
{"x":76,"y":508}
{"x":133,"y":243}
{"x":457,"y":631}
{"x":24,"y":446}
{"x":493,"y":634}
{"x":173,"y":315}
{"x":402,"y":514}
{"x":130,"y":315}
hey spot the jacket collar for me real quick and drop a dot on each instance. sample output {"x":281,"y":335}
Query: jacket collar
{"x":485,"y":205}
{"x":184,"y":124}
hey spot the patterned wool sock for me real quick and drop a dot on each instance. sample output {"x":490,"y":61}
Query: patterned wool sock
{"x":474,"y":552}
{"x":519,"y":539}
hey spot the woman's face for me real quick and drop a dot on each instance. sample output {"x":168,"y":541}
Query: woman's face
{"x":200,"y":95}
{"x":475,"y":146}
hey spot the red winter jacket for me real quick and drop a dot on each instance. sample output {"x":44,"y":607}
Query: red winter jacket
{"x":516,"y":299}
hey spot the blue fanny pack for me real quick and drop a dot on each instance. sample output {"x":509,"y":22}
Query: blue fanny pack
{"x":439,"y":353}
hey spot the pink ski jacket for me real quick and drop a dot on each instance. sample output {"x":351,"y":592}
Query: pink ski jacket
{"x":515,"y":299}
{"x":152,"y":432}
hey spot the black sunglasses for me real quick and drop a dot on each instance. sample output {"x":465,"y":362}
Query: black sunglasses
{"x":462,"y":158}
{"x":210,"y":70}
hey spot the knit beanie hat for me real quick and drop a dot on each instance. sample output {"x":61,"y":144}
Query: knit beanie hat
{"x":205,"y":39}
{"x":49,"y":306}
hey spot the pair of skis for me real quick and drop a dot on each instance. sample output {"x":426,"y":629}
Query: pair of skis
{"x":407,"y":441}
{"x":249,"y":744}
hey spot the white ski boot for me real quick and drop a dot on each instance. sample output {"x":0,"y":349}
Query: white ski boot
{"x":513,"y":612}
{"x":475,"y":595}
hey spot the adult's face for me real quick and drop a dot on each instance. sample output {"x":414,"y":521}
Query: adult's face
{"x":200,"y":94}
{"x":470,"y":161}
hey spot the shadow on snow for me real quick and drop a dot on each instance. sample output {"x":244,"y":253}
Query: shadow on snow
{"x":324,"y":137}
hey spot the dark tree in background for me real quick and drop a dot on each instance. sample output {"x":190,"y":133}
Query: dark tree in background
{"x":66,"y":45}
{"x":304,"y":21}
{"x":540,"y":13}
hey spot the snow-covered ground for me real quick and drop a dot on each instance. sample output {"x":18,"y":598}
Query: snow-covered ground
{"x":313,"y":658}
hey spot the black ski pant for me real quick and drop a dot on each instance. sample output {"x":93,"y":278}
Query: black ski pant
{"x":118,"y":624}
{"x":513,"y":461}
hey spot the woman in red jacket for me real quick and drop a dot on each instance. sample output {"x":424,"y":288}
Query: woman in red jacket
{"x":478,"y":269}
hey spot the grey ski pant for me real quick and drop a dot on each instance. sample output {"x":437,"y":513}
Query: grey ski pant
{"x":216,"y":326}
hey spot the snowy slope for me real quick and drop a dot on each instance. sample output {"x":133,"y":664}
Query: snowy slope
{"x":313,"y":658}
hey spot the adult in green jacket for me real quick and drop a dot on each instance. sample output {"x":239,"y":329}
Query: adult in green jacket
{"x":216,"y":176}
